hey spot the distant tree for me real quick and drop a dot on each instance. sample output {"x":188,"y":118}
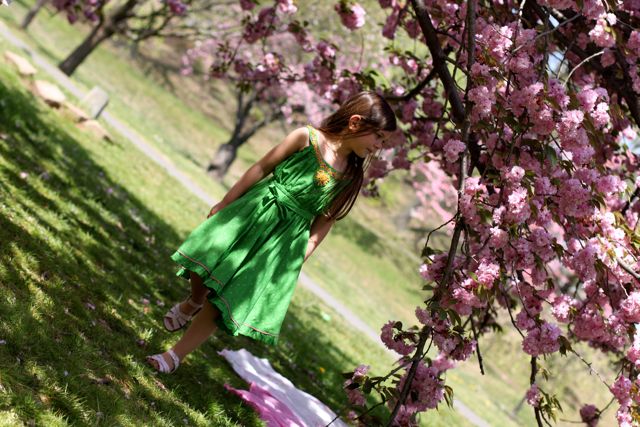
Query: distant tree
{"x":271,"y":77}
{"x":133,"y":19}
{"x":31,"y":14}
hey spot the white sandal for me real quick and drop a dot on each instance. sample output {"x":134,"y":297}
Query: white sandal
{"x":163,"y":366}
{"x":174,"y":319}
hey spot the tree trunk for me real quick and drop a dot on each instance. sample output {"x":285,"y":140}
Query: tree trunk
{"x":101,"y":32}
{"x":32,"y":13}
{"x":224,"y":157}
{"x":105,"y":29}
{"x":226,"y":153}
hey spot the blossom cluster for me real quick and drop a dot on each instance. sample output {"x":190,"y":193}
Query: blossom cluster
{"x":548,"y":213}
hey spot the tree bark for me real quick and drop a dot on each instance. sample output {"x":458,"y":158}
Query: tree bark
{"x":223,"y":158}
{"x":32,"y":14}
{"x":100,"y":33}
{"x":106,"y":28}
{"x":226,"y":153}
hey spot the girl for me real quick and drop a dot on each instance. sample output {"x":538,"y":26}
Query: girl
{"x":243,"y":262}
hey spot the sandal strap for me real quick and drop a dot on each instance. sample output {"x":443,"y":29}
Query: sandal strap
{"x":192,"y":303}
{"x":162,"y":365}
{"x":176,"y":317}
{"x":175,"y":358}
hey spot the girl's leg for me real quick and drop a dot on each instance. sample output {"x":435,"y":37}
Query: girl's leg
{"x":202,"y":326}
{"x":198,"y":294}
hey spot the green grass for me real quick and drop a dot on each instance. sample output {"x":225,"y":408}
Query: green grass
{"x":86,"y":228}
{"x":373,"y":262}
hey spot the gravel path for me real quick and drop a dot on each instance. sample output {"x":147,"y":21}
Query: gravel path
{"x":166,"y":164}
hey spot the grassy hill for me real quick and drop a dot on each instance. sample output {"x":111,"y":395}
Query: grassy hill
{"x":75,"y":245}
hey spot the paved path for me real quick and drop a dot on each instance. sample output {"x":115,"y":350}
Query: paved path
{"x":166,"y":164}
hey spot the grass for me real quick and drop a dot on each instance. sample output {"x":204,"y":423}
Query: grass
{"x":373,"y":267}
{"x":84,"y":245}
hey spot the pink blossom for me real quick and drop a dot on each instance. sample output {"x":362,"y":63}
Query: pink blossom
{"x":562,"y":308}
{"x":393,"y":342}
{"x":442,"y":363}
{"x":499,"y":238}
{"x":427,"y":391}
{"x":601,"y":115}
{"x":608,"y":58}
{"x":624,"y":418}
{"x":525,"y":321}
{"x":590,"y":415}
{"x":326,"y":50}
{"x":351,"y":14}
{"x":630,"y":307}
{"x":600,"y":36}
{"x":467,"y":297}
{"x":390,"y":25}
{"x":356,"y":397}
{"x":542,"y":340}
{"x":247,"y":4}
{"x":483,"y":100}
{"x":177,"y":7}
{"x":588,"y":98}
{"x":610,"y":184}
{"x":621,"y":389}
{"x":589,"y":324}
{"x":452,"y":149}
{"x":533,"y":396}
{"x":514,"y":175}
{"x":287,"y":6}
{"x":583,"y":261}
{"x":262,"y":27}
{"x":557,"y":93}
{"x":633,"y":354}
{"x":487,"y":273}
{"x":633,"y":43}
{"x":518,"y":202}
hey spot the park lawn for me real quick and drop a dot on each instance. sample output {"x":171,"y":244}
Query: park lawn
{"x":86,"y":228}
{"x":373,"y":267}
{"x":173,"y":124}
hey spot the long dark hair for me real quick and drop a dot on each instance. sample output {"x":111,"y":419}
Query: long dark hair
{"x":376,"y":115}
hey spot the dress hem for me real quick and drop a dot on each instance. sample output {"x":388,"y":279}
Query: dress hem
{"x":225,"y":320}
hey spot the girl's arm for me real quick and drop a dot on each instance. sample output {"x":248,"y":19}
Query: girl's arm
{"x":295,"y":141}
{"x":319,"y":229}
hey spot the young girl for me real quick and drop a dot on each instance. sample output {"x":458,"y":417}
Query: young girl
{"x":243,"y":262}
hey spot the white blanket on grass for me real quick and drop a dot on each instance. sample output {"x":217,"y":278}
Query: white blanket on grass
{"x":258,"y":372}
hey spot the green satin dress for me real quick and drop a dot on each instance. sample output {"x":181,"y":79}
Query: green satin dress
{"x":250,"y":253}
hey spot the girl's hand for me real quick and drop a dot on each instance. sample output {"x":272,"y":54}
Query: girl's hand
{"x":217,"y":207}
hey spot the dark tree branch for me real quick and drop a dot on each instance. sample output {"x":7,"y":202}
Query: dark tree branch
{"x":415,"y":91}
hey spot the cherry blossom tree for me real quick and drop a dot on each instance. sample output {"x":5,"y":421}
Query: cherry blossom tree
{"x":530,"y":108}
{"x":269,"y":85}
{"x":135,"y":20}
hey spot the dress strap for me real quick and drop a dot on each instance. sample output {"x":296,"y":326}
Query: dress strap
{"x":313,"y":137}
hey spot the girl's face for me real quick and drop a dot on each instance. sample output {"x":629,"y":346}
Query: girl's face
{"x":369,"y":143}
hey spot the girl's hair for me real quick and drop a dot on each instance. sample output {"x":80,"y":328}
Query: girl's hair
{"x":376,"y":115}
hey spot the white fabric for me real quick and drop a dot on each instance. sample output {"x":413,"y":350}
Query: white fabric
{"x":259,"y":371}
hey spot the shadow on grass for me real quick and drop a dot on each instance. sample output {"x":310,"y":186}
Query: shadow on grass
{"x":357,"y":233}
{"x":78,"y":253}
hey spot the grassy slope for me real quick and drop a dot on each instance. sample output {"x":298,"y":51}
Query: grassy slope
{"x":82,"y":243}
{"x":364,"y":273}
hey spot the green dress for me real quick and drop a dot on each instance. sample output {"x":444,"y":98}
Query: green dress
{"x":250,"y":253}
